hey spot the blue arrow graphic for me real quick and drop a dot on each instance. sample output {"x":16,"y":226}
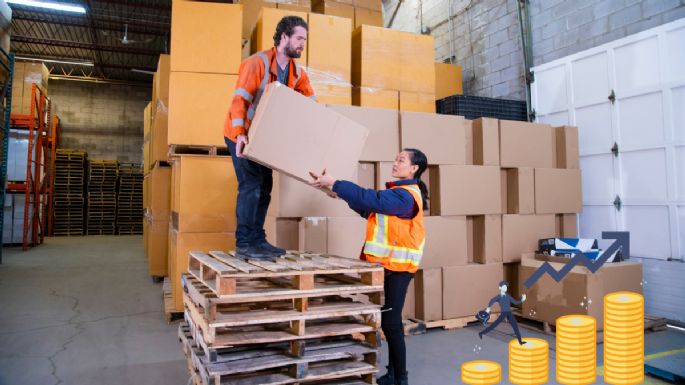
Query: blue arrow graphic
{"x":622,"y":242}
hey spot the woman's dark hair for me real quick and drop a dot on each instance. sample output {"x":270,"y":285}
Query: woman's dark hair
{"x":418,"y":158}
{"x":287,"y":25}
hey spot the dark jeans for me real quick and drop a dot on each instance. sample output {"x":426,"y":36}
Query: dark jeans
{"x":395,"y":287}
{"x":512,"y":321}
{"x":254,"y":194}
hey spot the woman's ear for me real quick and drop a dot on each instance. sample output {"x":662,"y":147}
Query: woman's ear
{"x":414,"y":168}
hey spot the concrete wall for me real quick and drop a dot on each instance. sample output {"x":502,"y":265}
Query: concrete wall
{"x":104,"y":119}
{"x":485,"y":37}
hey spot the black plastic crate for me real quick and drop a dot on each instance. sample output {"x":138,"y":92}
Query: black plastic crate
{"x":474,"y":107}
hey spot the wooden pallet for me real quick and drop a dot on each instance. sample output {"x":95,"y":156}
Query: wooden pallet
{"x":274,"y":364}
{"x":176,"y":150}
{"x":286,"y":277}
{"x":414,"y":327}
{"x":170,"y":313}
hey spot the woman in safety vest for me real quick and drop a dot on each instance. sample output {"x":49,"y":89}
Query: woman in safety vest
{"x":394,"y":238}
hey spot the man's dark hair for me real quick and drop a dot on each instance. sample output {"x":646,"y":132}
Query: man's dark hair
{"x":287,"y":25}
{"x":502,"y":283}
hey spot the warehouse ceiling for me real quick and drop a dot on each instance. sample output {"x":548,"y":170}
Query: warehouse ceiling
{"x":114,"y":40}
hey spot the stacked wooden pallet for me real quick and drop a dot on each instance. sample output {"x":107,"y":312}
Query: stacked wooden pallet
{"x":301,"y":319}
{"x":68,"y":192}
{"x":102,"y":197}
{"x":130,"y":199}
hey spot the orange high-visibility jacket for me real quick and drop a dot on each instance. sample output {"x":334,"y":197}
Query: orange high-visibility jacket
{"x":252,"y":80}
{"x":396,"y":243}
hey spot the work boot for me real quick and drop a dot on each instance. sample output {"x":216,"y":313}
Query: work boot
{"x":271,"y":248}
{"x":403,"y":379}
{"x":254,"y":253}
{"x":388,"y":378}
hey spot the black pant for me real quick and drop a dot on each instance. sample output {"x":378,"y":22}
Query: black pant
{"x":254,"y":195}
{"x":395,"y":287}
{"x":512,"y":321}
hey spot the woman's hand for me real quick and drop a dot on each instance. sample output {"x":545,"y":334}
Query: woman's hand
{"x":322,"y":181}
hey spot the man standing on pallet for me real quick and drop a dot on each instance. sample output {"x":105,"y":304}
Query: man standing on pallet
{"x":254,"y":180}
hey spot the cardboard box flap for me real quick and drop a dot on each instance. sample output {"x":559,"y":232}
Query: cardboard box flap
{"x":295,"y":135}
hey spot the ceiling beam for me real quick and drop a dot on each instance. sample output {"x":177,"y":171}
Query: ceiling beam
{"x":74,"y":22}
{"x":101,"y":18}
{"x":79,"y":45}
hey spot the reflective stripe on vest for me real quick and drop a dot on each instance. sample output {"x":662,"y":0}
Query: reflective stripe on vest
{"x":243,"y":94}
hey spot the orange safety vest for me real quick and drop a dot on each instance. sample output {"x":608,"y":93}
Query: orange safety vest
{"x":396,"y":243}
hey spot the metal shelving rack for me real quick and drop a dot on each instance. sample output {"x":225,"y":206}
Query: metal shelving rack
{"x":6,"y":66}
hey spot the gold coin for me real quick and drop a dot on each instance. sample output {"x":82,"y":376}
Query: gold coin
{"x":542,"y":363}
{"x":628,"y":331}
{"x":576,"y":345}
{"x":522,"y":380}
{"x":532,"y":344}
{"x":487,"y":380}
{"x":564,"y":336}
{"x":564,"y":351}
{"x":576,"y":321}
{"x":481,"y":366}
{"x":623,"y":297}
{"x":481,"y":382}
{"x":623,"y":366}
{"x":625,"y":349}
{"x":613,"y":319}
{"x":623,"y":375}
{"x":620,"y":335}
{"x":576,"y":376}
{"x":586,"y":381}
{"x":576,"y":363}
{"x":619,"y":310}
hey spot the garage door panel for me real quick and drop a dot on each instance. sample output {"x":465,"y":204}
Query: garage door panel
{"x":649,"y":227}
{"x":590,"y":79}
{"x":594,"y":128}
{"x":552,"y":84}
{"x":641,"y":120}
{"x":680,"y":172}
{"x":597,"y":187}
{"x":637,"y":64}
{"x":678,"y":111}
{"x":675,"y":54}
{"x":556,"y":119}
{"x":643,"y":175}
{"x":595,"y":219}
{"x":681,"y":230}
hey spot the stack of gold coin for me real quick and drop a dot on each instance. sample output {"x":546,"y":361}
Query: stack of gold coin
{"x":576,"y":350}
{"x":624,"y":343}
{"x":528,"y":363}
{"x":481,"y":372}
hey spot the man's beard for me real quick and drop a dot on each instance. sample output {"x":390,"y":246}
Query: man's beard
{"x":292,"y":53}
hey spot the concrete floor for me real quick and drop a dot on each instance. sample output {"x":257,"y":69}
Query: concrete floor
{"x":84,"y":311}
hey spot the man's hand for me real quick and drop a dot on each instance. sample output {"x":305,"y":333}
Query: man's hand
{"x":523,"y":298}
{"x":322,"y":181}
{"x":487,"y":309}
{"x":240,"y":145}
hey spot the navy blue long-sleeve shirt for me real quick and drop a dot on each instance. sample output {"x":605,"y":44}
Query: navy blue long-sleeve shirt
{"x":398,"y":202}
{"x":504,"y":301}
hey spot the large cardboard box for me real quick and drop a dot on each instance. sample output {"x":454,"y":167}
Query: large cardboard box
{"x":333,"y":94}
{"x":346,"y":236}
{"x":295,"y":5}
{"x":521,"y":233}
{"x":198,"y":105}
{"x":313,"y":234}
{"x":251,"y":11}
{"x":448,"y":80}
{"x":206,"y":37}
{"x":159,"y":193}
{"x":567,"y":225}
{"x":366,"y":177}
{"x":159,"y":136}
{"x":558,"y":191}
{"x":428,"y":283}
{"x":567,"y":149}
{"x":520,"y":190}
{"x":485,"y":144}
{"x":333,"y":8}
{"x":511,"y":275}
{"x":486,"y":237}
{"x":367,"y":17}
{"x":409,"y":309}
{"x":374,"y":5}
{"x":446,"y":243}
{"x":330,"y":70}
{"x":316,"y":137}
{"x":417,"y":57}
{"x":580,"y":292}
{"x":263,"y":35}
{"x":524,"y":144}
{"x":383,"y":142}
{"x":465,"y":190}
{"x":417,"y":102}
{"x":204,"y":194}
{"x":441,"y":137}
{"x":157,"y":247}
{"x":180,"y":245}
{"x":376,"y":98}
{"x":290,"y":198}
{"x":468,"y":289}
{"x":161,"y":81}
{"x":147,"y":124}
{"x":283,"y":232}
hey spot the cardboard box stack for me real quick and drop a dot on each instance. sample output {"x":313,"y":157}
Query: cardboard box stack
{"x":360,"y":12}
{"x":26,"y":74}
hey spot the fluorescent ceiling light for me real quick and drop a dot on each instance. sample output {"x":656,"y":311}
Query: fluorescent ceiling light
{"x":78,"y":63}
{"x":49,"y":5}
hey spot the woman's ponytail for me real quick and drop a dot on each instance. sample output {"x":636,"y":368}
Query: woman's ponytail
{"x":418,"y":158}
